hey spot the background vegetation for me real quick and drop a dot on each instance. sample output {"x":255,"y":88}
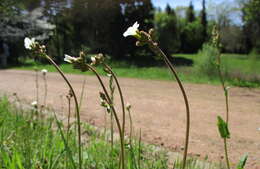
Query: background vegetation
{"x":97,"y":26}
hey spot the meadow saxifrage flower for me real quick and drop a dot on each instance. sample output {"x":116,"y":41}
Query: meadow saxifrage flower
{"x":132,"y":31}
{"x":70,"y":59}
{"x":34,"y":103}
{"x":28,"y":43}
{"x":44,"y":71}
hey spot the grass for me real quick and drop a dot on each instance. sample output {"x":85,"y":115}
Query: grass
{"x":30,"y":142}
{"x":241,"y":70}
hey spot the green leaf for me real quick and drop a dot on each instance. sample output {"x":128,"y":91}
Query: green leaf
{"x":242,"y":162}
{"x":223,"y":128}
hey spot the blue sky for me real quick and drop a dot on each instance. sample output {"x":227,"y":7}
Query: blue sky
{"x":210,"y":5}
{"x":174,"y":3}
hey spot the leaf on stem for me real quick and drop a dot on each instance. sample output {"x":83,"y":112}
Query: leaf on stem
{"x":223,"y":128}
{"x":242,"y":162}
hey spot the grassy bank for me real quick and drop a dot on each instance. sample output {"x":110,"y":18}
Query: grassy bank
{"x":240,"y":70}
{"x":28,"y":141}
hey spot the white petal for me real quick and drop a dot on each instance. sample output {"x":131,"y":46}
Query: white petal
{"x":69,"y":58}
{"x":93,"y":59}
{"x":136,"y":25}
{"x":27,"y":43}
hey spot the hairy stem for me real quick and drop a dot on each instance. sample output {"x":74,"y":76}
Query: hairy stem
{"x":226,"y":153}
{"x":37,"y":87}
{"x":120,"y":94}
{"x":76,"y":104}
{"x":224,"y":89}
{"x":227,"y":105}
{"x":114,"y":112}
{"x":82,"y":92}
{"x":158,"y":51}
{"x":45,"y":89}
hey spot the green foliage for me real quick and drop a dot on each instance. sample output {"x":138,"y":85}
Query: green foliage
{"x":191,"y":36}
{"x":190,"y":16}
{"x":251,"y":15}
{"x":207,"y":60}
{"x":242,"y":162}
{"x":204,"y":21}
{"x":26,"y":142}
{"x":223,"y":128}
{"x":167,"y":31}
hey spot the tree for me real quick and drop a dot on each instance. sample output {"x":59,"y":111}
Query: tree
{"x":167,"y":32}
{"x":191,"y":36}
{"x":16,"y":22}
{"x":98,"y":25}
{"x":190,"y":16}
{"x":251,"y":18}
{"x":143,"y":12}
{"x":204,"y":21}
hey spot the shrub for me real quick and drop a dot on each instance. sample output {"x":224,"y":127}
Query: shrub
{"x":207,"y":62}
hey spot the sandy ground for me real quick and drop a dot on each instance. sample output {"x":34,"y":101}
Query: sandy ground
{"x":158,"y":109}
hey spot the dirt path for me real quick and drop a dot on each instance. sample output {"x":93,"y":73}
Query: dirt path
{"x":159,"y":110}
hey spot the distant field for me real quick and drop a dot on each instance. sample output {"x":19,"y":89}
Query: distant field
{"x":243,"y":71}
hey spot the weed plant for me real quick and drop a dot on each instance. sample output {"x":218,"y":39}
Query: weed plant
{"x":27,"y":142}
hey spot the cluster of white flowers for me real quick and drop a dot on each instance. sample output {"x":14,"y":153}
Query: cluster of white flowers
{"x":132,"y":30}
{"x":28,"y":43}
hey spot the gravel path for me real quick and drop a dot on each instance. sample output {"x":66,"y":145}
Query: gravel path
{"x":158,"y":109}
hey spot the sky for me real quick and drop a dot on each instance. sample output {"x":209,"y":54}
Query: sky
{"x":174,"y":3}
{"x":210,"y":5}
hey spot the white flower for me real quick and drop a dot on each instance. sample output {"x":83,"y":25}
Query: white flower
{"x":44,"y":71}
{"x":93,"y":59}
{"x":132,"y":31}
{"x":128,"y":106}
{"x":28,"y":43}
{"x":69,"y":58}
{"x":34,"y":103}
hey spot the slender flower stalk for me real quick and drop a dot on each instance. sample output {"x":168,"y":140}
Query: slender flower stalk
{"x":128,"y":108}
{"x":157,"y":50}
{"x":108,"y":68}
{"x":44,"y":73}
{"x":37,"y":85}
{"x":77,"y":107}
{"x":122,"y":166}
{"x":40,"y":50}
{"x":147,"y":39}
{"x":216,"y":43}
{"x":112,"y":91}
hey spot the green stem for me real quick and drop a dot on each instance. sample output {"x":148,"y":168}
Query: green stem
{"x":227,"y":105}
{"x":114,"y":112}
{"x":158,"y":51}
{"x":76,"y":104}
{"x":226,"y":153}
{"x":131,"y":127}
{"x":45,"y":89}
{"x":225,"y":91}
{"x":37,"y":88}
{"x":120,"y":94}
{"x":82,"y":93}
